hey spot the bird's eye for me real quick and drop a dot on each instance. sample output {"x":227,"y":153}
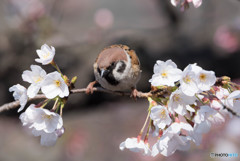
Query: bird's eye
{"x":121,"y":67}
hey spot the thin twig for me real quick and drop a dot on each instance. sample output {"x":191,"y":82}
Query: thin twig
{"x":15,"y":104}
{"x":225,"y":107}
{"x":100,"y":89}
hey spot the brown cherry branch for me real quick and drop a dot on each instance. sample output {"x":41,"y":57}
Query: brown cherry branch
{"x":15,"y":104}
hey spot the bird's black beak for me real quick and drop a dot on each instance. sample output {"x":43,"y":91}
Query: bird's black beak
{"x":104,"y":72}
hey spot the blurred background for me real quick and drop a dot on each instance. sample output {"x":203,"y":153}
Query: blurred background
{"x":79,"y":29}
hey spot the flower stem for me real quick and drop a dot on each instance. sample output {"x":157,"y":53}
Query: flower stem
{"x":234,"y":84}
{"x":41,"y":103}
{"x":45,"y":103}
{"x":61,"y":109}
{"x":147,"y":134}
{"x":56,"y":67}
{"x":145,"y":123}
{"x":229,"y":88}
{"x":55,"y":104}
{"x":199,"y":99}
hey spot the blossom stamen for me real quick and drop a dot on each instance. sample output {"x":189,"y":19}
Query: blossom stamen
{"x":164,"y":74}
{"x":203,"y":77}
{"x":187,"y":79}
{"x":176,"y":98}
{"x":45,"y":56}
{"x":38,"y":79}
{"x":45,"y":116}
{"x":163,"y":114}
{"x":58,"y":83}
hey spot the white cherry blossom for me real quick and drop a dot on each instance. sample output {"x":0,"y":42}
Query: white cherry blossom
{"x":196,"y":3}
{"x":179,"y":102}
{"x":205,"y":117}
{"x":165,"y":73}
{"x":20,"y":94}
{"x":205,"y":79}
{"x":195,"y":80}
{"x":171,"y":140}
{"x":206,"y":113}
{"x":28,"y":117}
{"x":135,"y":145}
{"x":233,"y":101}
{"x":48,"y":139}
{"x":42,"y":122}
{"x":196,"y":136}
{"x":222,"y":94}
{"x":46,"y":54}
{"x":41,"y":119}
{"x":188,"y":81}
{"x":54,"y":85}
{"x":160,"y":116}
{"x":175,"y":2}
{"x":35,"y":77}
{"x":47,"y":121}
{"x":216,"y":104}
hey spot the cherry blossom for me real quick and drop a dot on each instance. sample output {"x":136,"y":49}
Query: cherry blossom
{"x":205,"y":79}
{"x":135,"y":145}
{"x":46,"y":54}
{"x":171,"y":140}
{"x":196,"y":3}
{"x":205,"y":117}
{"x":165,"y":73}
{"x":233,"y":101}
{"x":54,"y":85}
{"x":179,"y":102}
{"x":35,"y":77}
{"x":188,"y":81}
{"x":20,"y":94}
{"x":42,"y":122}
{"x":41,"y":119}
{"x":48,"y":139}
{"x":160,"y":116}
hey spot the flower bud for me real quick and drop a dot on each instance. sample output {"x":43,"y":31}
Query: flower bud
{"x":74,"y":79}
{"x":66,"y":80}
{"x":206,"y":100}
{"x":225,"y":78}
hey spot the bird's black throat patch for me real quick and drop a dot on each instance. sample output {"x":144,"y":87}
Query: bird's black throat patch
{"x":111,"y":79}
{"x":108,"y":75}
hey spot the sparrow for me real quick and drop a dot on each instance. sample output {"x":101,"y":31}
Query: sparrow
{"x":117,"y":68}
